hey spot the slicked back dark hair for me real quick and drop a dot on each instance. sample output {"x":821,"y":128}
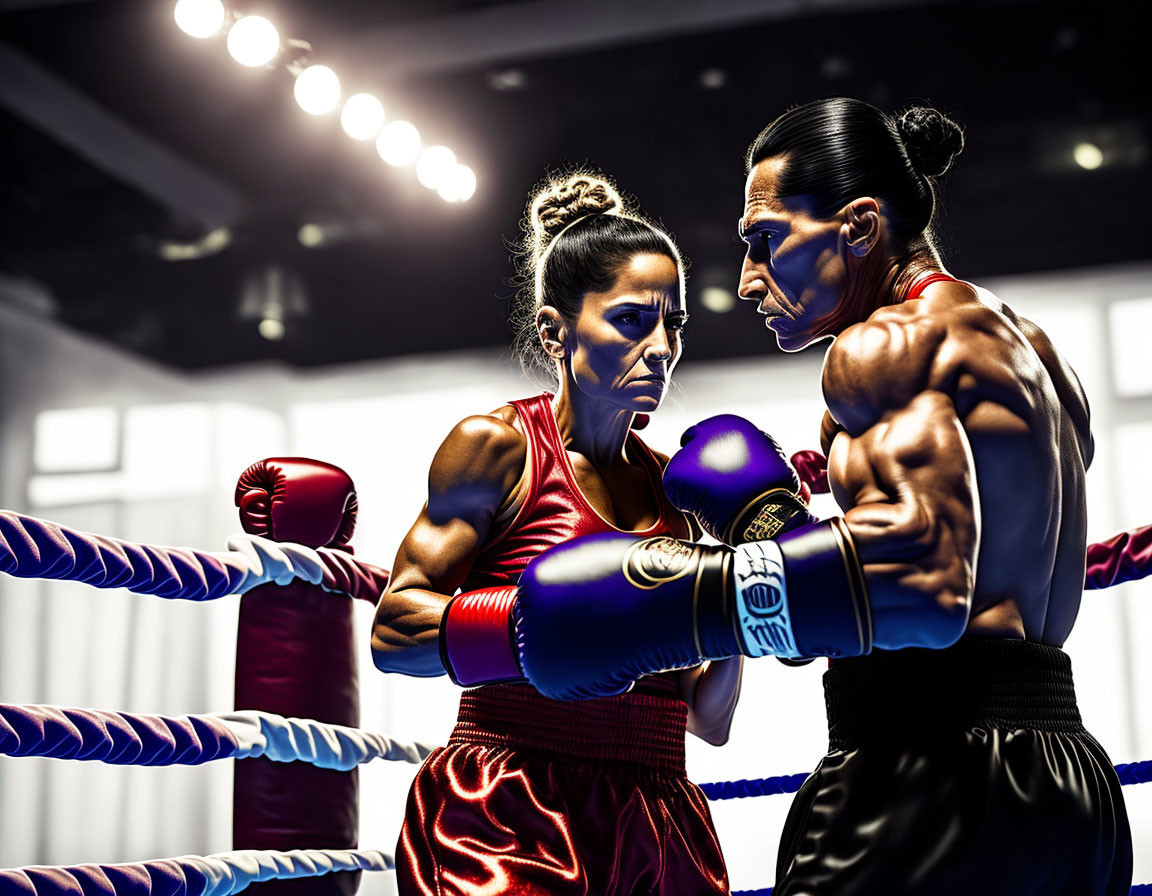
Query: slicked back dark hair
{"x":839,"y":149}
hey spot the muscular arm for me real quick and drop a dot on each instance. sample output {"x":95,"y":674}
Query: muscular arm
{"x":473,"y":472}
{"x":902,"y":469}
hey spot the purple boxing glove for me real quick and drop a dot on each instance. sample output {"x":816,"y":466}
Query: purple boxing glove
{"x":736,"y":480}
{"x":595,"y":613}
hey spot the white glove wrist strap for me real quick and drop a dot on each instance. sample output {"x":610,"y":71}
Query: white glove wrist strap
{"x":762,"y":600}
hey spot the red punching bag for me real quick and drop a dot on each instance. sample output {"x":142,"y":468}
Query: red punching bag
{"x":295,"y":656}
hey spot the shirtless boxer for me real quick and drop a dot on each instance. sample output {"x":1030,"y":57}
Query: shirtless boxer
{"x":958,"y":441}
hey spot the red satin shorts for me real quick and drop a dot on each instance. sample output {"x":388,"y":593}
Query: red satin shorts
{"x":535,"y":797}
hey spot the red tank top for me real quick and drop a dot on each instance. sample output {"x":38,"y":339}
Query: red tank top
{"x":554,"y":509}
{"x":924,"y":282}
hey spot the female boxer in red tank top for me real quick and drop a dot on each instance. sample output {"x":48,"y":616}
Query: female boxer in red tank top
{"x":534,"y":796}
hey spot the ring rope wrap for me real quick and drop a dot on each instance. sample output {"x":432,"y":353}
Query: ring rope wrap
{"x":121,"y":738}
{"x":217,"y":875}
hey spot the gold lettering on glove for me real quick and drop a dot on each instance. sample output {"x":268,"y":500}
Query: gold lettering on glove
{"x":654,"y":561}
{"x":770,"y":513}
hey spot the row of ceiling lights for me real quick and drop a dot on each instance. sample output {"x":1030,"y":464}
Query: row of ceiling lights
{"x":254,"y":41}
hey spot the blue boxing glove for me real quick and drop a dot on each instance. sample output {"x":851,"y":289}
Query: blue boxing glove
{"x":597,"y":612}
{"x":736,"y":480}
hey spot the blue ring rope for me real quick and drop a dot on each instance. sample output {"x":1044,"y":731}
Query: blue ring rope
{"x":1127,"y":772}
{"x":1138,"y":890}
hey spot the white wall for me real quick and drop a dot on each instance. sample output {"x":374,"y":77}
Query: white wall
{"x":182,"y":441}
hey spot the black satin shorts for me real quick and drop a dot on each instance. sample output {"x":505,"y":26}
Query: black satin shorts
{"x":960,"y":771}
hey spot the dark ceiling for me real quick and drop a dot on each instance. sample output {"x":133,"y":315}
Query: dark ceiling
{"x":122,"y":135}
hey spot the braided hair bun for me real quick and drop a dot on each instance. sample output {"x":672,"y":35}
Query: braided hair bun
{"x":565,"y":202}
{"x":931,"y":139}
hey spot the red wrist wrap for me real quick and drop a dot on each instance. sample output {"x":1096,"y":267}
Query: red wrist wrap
{"x":477,"y":637}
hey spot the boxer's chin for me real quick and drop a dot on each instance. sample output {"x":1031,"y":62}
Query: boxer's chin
{"x":791,"y":342}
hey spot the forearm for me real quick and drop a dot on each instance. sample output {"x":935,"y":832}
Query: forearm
{"x":908,"y":486}
{"x":405,"y":635}
{"x":920,"y":573}
{"x":711,"y":691}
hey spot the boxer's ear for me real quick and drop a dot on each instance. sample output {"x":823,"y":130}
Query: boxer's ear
{"x":862,"y":225}
{"x":552,"y":331}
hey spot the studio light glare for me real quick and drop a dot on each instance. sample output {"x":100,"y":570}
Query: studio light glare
{"x":253,"y":41}
{"x":434,"y":165}
{"x":362,"y":116}
{"x":317,"y":90}
{"x":717,"y":299}
{"x":1088,"y":156}
{"x":311,"y":236}
{"x":271,"y":328}
{"x":459,"y":185}
{"x":199,"y":18}
{"x":398,"y":143}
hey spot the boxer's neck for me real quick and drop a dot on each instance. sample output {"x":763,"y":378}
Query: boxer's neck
{"x":902,"y":273}
{"x":590,"y":426}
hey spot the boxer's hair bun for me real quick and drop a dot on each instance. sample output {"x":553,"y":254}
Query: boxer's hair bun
{"x":562,"y":203}
{"x":931,"y":139}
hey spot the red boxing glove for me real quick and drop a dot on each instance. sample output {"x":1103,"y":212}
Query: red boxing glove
{"x":812,"y":467}
{"x":1122,"y":558}
{"x":297,"y":499}
{"x":478,"y":638}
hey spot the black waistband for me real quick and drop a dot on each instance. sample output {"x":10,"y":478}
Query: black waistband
{"x":979,"y":682}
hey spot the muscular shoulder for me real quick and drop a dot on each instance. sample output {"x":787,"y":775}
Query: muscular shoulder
{"x":1064,"y":380}
{"x":902,"y":351}
{"x":477,"y":464}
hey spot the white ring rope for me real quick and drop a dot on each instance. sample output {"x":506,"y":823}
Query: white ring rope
{"x":122,"y":738}
{"x":231,"y":872}
{"x":218,"y":875}
{"x":327,"y":746}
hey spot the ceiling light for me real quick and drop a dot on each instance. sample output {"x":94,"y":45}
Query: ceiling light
{"x":507,"y":79}
{"x":199,"y":18}
{"x":434,"y":165}
{"x":317,"y":89}
{"x":213,"y":242}
{"x":713,"y":78}
{"x":271,"y":328}
{"x":398,"y":143}
{"x":310,"y":236}
{"x":362,"y":116}
{"x":717,"y":299}
{"x":1088,"y":156}
{"x":458,"y":185}
{"x":253,"y":41}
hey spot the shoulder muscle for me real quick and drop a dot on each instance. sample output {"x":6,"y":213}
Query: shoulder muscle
{"x":475,"y":468}
{"x":878,"y":366}
{"x":952,"y":344}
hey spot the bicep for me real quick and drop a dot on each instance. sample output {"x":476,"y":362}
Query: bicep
{"x":430,"y":565}
{"x":467,"y":483}
{"x":472,"y":473}
{"x":436,"y":555}
{"x":908,"y":485}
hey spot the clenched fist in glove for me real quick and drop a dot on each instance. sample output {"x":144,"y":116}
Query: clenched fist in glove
{"x":736,"y":480}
